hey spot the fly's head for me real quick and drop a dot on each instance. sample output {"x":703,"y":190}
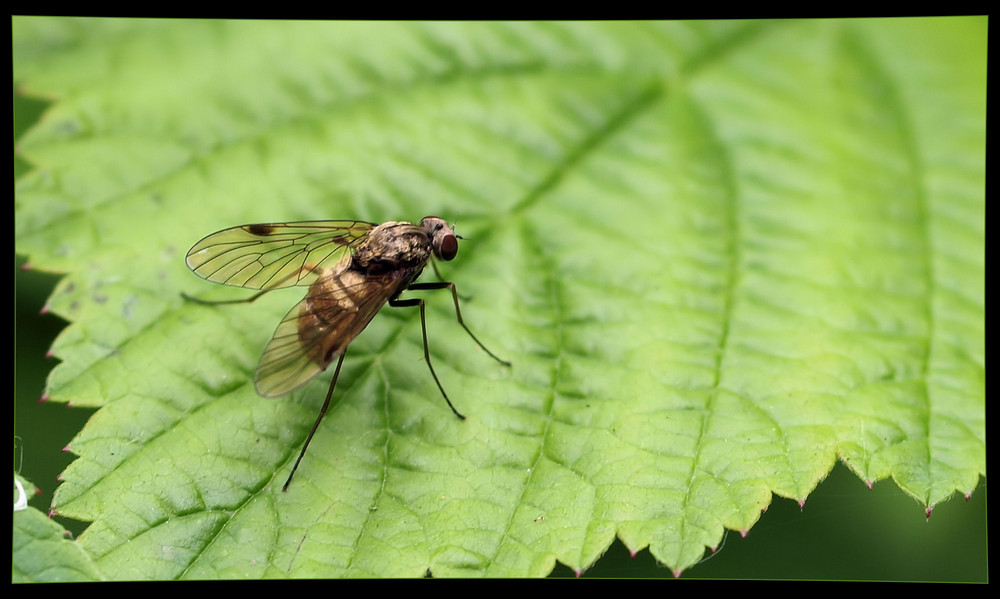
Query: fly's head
{"x":444,"y":242}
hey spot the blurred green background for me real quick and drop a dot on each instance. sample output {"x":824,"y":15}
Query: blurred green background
{"x":844,"y":532}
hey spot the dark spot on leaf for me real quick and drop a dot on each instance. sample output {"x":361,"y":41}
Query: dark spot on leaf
{"x":131,"y":301}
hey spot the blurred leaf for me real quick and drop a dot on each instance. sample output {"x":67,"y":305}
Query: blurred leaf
{"x":720,"y":255}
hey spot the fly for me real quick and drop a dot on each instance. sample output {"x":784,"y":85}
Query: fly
{"x":351,"y":269}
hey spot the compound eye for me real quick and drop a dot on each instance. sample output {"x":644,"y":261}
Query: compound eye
{"x":448,"y":247}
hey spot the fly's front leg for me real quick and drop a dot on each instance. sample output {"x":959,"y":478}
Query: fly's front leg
{"x":437,"y":273}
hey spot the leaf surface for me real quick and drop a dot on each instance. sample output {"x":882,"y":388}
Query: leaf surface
{"x":720,"y":255}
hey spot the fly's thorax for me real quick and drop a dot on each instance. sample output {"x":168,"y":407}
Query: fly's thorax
{"x":393,"y":245}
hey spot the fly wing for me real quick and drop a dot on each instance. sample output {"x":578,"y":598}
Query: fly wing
{"x":320,"y":327}
{"x":275,"y":255}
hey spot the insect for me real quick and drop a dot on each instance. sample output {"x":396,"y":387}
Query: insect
{"x":352,"y":268}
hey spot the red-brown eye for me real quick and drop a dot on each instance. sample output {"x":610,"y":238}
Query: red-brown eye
{"x":448,"y":247}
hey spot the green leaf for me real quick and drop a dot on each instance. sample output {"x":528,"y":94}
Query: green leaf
{"x":720,"y":256}
{"x":41,"y":552}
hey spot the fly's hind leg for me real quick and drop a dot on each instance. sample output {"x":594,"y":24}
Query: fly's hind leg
{"x":203,"y":302}
{"x":322,"y":412}
{"x":276,"y":284}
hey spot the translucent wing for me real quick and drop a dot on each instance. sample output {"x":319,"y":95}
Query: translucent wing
{"x":275,"y":255}
{"x":320,"y":327}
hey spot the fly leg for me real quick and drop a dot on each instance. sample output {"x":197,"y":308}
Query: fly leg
{"x":277,"y":284}
{"x":409,"y":303}
{"x":322,"y":412}
{"x":458,"y":313}
{"x":223,"y":302}
{"x":437,"y":272}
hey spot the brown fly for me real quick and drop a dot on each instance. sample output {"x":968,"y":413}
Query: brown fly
{"x":352,"y":268}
